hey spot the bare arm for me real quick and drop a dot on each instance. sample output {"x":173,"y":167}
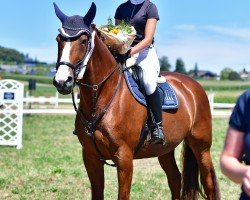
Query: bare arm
{"x":231,"y":154}
{"x":149,"y":35}
{"x":229,"y":159}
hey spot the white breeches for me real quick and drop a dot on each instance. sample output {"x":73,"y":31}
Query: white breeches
{"x":148,"y":60}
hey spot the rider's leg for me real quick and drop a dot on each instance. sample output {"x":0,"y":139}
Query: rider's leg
{"x":154,"y":104}
{"x":149,"y":62}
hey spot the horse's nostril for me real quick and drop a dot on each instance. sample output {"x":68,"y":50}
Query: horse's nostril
{"x":58,"y":84}
{"x":64,"y":87}
{"x":69,"y":82}
{"x":69,"y":79}
{"x":55,"y":82}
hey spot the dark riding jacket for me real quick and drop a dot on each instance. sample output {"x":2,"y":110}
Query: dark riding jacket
{"x":240,"y":120}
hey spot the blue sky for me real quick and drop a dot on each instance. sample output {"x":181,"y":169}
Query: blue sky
{"x":215,"y":33}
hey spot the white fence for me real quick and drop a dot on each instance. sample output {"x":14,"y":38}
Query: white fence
{"x":220,"y":109}
{"x":217,"y":109}
{"x":12,"y":102}
{"x":11,"y":113}
{"x":29,"y":100}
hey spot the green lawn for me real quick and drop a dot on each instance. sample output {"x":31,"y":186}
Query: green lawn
{"x":50,"y":166}
{"x":226,"y":96}
{"x":21,"y":77}
{"x":224,"y":85}
{"x":225,"y":91}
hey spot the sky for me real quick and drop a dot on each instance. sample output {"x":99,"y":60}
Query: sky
{"x":214,"y":34}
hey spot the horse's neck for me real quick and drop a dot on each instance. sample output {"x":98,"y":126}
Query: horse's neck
{"x":100,"y":66}
{"x":101,"y":62}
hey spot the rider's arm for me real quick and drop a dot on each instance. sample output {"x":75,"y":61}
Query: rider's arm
{"x":231,"y":154}
{"x":149,"y":35}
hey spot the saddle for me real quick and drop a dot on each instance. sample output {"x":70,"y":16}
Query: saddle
{"x":135,"y":84}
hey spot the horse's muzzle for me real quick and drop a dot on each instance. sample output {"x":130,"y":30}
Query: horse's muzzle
{"x":64,"y":87}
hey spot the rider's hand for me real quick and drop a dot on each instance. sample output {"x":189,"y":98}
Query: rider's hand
{"x":121,"y":58}
{"x":130,"y":62}
{"x":246,"y":183}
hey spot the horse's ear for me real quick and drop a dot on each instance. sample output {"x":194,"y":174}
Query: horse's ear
{"x":89,"y":17}
{"x":59,"y":13}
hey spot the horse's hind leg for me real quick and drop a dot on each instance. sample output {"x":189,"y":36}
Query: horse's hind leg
{"x":95,"y":170}
{"x":208,"y":177}
{"x":201,"y":150}
{"x":168,"y":164}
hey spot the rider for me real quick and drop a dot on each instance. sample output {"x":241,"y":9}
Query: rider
{"x":143,"y":15}
{"x":237,"y":146}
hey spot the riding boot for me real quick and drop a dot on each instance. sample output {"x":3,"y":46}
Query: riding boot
{"x":154,"y":104}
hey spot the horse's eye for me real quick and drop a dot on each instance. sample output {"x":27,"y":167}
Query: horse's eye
{"x":84,"y":42}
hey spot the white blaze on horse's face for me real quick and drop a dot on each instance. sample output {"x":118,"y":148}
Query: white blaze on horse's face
{"x":64,"y":71}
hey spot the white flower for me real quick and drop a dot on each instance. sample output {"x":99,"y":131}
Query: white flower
{"x":121,"y":36}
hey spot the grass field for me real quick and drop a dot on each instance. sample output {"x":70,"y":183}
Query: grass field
{"x":50,"y":166}
{"x":226,"y":96}
{"x":225,"y":91}
{"x":22,"y":77}
{"x":224,"y":85}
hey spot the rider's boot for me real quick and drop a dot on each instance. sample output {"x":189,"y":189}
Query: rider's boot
{"x":154,"y":104}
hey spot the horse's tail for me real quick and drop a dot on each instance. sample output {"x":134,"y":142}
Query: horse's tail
{"x":191,"y":187}
{"x":190,"y":175}
{"x":216,"y":185}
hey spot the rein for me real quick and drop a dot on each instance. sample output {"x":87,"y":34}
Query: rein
{"x":95,"y":89}
{"x":90,"y":125}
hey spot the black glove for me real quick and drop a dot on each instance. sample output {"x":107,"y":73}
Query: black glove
{"x":121,"y":58}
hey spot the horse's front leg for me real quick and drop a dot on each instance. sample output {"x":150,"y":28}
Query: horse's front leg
{"x":124,"y":162}
{"x":95,"y":172}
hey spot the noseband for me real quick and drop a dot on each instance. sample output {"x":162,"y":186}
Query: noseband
{"x":83,"y":63}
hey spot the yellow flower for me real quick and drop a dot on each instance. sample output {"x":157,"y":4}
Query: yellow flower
{"x":114,"y":31}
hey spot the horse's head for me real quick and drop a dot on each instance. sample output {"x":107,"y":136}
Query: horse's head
{"x":74,"y":48}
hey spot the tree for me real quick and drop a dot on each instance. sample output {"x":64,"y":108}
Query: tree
{"x":196,"y":70}
{"x":233,"y":76}
{"x":224,"y":74}
{"x":164,"y":63}
{"x":8,"y":55}
{"x":180,"y":66}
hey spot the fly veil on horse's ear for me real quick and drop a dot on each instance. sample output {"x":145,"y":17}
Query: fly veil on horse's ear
{"x":73,"y":26}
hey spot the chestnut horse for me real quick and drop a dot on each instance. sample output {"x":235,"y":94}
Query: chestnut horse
{"x":109,"y":120}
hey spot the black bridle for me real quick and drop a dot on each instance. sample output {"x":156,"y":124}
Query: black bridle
{"x":76,"y":68}
{"x":91,"y":125}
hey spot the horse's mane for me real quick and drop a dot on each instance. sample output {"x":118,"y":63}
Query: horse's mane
{"x":93,"y":28}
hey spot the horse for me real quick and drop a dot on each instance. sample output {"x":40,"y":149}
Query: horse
{"x":109,"y":120}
